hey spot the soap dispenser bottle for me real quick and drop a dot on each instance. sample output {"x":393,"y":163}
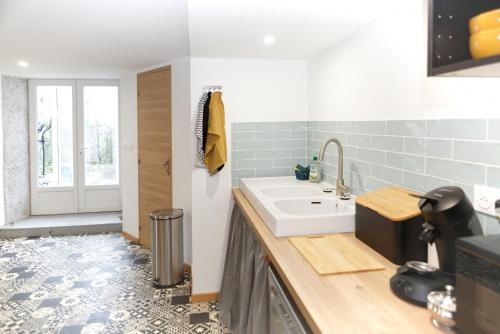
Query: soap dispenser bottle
{"x":315,"y":171}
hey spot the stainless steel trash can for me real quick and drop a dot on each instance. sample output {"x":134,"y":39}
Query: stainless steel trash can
{"x":167,"y":247}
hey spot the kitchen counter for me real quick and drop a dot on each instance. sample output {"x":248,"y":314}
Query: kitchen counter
{"x":347,"y":303}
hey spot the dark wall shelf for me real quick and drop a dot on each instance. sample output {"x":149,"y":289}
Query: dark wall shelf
{"x":449,"y":39}
{"x":487,"y":67}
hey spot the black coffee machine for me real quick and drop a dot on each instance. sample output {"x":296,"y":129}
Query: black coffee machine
{"x":449,"y":215}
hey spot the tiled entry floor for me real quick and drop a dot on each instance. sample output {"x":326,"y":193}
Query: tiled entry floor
{"x":91,"y":284}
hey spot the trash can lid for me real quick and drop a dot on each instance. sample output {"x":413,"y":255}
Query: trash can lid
{"x":166,"y":214}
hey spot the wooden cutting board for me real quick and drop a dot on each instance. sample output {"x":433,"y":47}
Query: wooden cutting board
{"x":394,"y":203}
{"x":335,"y":254}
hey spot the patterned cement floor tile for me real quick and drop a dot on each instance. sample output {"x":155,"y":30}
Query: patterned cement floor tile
{"x":91,"y":284}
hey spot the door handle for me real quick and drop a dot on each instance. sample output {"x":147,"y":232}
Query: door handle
{"x":83,"y":149}
{"x":166,"y":164}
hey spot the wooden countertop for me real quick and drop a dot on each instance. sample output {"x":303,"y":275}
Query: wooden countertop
{"x":347,"y":303}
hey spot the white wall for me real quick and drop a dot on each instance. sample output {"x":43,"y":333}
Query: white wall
{"x":181,"y":139}
{"x":128,"y":153}
{"x":254,"y":90}
{"x":380,"y":73}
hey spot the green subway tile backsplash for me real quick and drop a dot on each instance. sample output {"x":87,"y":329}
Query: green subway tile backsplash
{"x":418,"y":154}
{"x":270,"y":148}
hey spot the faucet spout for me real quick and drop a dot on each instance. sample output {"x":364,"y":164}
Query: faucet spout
{"x":342,"y":190}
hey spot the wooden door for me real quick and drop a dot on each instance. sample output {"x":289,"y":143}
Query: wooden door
{"x":155,"y":146}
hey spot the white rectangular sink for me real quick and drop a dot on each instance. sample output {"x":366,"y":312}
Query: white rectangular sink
{"x":290,"y":207}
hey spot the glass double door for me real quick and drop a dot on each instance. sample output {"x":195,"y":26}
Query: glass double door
{"x":74,"y":146}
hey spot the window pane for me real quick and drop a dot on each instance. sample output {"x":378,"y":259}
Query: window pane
{"x":54,"y":136}
{"x":101,"y":135}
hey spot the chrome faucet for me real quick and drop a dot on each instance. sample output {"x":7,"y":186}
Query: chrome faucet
{"x":342,"y":190}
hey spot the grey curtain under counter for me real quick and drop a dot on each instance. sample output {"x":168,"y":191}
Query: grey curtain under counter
{"x":244,"y":297}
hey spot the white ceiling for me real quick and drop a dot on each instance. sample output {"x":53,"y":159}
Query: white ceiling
{"x":89,"y":38}
{"x":93,"y":38}
{"x":302,"y":28}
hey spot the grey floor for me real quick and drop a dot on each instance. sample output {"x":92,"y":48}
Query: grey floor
{"x":69,"y":224}
{"x":89,"y":284}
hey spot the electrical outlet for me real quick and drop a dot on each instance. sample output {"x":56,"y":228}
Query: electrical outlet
{"x":485,"y":199}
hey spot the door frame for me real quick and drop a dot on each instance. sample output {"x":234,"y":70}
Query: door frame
{"x":145,"y":239}
{"x":82,"y":188}
{"x":35,"y":210}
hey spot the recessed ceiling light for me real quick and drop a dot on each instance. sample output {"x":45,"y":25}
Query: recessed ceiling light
{"x":23,"y":63}
{"x":269,"y":39}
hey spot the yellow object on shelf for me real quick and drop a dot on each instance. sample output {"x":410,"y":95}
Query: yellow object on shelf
{"x":485,"y":43}
{"x":485,"y":21}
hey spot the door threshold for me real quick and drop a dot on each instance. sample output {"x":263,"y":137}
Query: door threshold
{"x":71,"y":224}
{"x":12,"y":232}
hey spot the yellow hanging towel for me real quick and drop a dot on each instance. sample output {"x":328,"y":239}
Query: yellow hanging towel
{"x":215,"y":149}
